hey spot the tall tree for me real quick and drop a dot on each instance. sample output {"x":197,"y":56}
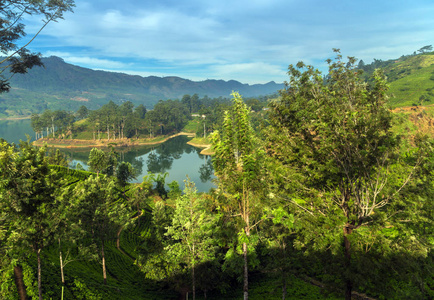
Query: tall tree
{"x":124,"y":173}
{"x":28,"y":203}
{"x":424,"y":49}
{"x":192,"y":227}
{"x":96,"y":205}
{"x":337,"y":159}
{"x":125,"y":114}
{"x":102,"y":162}
{"x":37,"y":125}
{"x":186,"y":101}
{"x":238,"y":163}
{"x":82,"y":112}
{"x":109,"y":117}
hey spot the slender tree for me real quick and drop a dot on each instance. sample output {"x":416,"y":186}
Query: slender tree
{"x":238,"y":166}
{"x":192,"y":227}
{"x":97,"y":207}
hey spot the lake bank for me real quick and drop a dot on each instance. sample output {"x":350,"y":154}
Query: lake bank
{"x":174,"y":157}
{"x":15,"y":118}
{"x":206,"y":147}
{"x":119,"y":143}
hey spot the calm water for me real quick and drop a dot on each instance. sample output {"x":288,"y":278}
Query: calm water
{"x":175,"y":157}
{"x":15,"y":130}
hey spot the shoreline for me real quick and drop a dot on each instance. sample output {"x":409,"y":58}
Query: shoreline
{"x":15,"y":118}
{"x":206,"y":148}
{"x":119,"y":143}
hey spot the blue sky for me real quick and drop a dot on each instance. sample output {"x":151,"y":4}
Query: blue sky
{"x":250,"y":41}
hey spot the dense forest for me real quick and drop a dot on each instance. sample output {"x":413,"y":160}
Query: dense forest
{"x":320,"y":199}
{"x":113,"y":121}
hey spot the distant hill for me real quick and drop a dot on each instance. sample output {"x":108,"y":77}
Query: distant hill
{"x":411,"y":79}
{"x":59,"y":85}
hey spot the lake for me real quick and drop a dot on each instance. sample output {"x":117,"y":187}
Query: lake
{"x":175,"y":157}
{"x":15,"y":130}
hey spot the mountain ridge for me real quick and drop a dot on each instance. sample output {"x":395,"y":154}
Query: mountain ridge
{"x":60,"y":85}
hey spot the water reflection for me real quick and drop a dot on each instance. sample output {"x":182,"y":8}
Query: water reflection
{"x":175,"y":157}
{"x":206,"y":170}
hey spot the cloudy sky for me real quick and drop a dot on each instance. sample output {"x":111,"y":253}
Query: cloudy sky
{"x":250,"y":41}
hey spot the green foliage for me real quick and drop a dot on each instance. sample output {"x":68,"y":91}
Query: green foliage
{"x":125,"y":172}
{"x":103,"y":162}
{"x":30,"y":280}
{"x":28,"y":192}
{"x":339,"y":166}
{"x":238,"y":164}
{"x":191,"y":233}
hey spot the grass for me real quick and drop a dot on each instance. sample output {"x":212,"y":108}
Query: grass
{"x":415,"y":120}
{"x":191,"y":126}
{"x":416,"y":85}
{"x":200,"y":141}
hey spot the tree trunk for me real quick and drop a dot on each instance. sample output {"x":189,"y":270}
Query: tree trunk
{"x":19,"y":282}
{"x":61,"y":264}
{"x":193,"y":277}
{"x":118,"y":237}
{"x":61,"y":268}
{"x":104,"y":273}
{"x":246,"y":217}
{"x":52,"y":125}
{"x":347,"y":253}
{"x":283,"y":271}
{"x":61,"y":271}
{"x":246,"y":273}
{"x":39,"y":274}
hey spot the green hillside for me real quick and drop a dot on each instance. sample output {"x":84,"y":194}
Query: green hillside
{"x":414,"y":84}
{"x":411,"y":79}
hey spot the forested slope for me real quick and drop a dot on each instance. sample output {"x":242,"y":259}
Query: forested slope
{"x":59,"y":85}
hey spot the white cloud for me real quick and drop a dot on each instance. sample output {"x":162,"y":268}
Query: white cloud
{"x":250,"y":41}
{"x":249,"y":72}
{"x":90,"y":62}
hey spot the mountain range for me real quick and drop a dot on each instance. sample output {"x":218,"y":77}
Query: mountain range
{"x":60,"y":85}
